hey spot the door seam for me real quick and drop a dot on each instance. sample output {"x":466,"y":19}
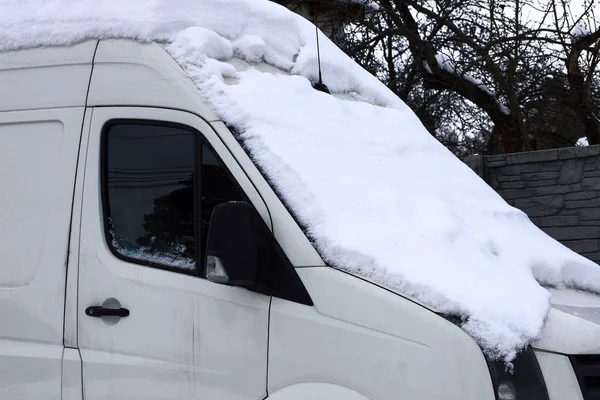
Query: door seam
{"x":268,"y":345}
{"x":70,"y":233}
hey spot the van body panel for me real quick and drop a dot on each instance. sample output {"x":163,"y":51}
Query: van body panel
{"x":315,"y":390}
{"x":30,"y":370}
{"x":349,"y":339}
{"x":561,"y":381}
{"x":72,"y":385}
{"x":128,"y":73}
{"x":71,"y":290}
{"x":185,"y":337}
{"x":45,"y":77}
{"x":573,"y":323}
{"x":569,"y":333}
{"x":38,"y":155}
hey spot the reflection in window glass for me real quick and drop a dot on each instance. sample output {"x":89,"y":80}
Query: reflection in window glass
{"x":150,"y":179}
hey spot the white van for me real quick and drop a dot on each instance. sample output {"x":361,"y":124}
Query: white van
{"x":107,"y":151}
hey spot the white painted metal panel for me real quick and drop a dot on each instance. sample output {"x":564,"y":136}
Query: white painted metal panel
{"x":72,"y":385}
{"x":186,"y":338}
{"x":45,"y":77}
{"x":38,"y":156}
{"x":315,"y":391}
{"x":559,"y":376}
{"x":129,"y":73}
{"x":70,"y":325}
{"x":372,"y":342}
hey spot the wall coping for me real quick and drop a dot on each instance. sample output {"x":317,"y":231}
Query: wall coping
{"x":564,"y":153}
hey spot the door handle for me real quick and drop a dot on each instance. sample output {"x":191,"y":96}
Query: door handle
{"x":99,"y":312}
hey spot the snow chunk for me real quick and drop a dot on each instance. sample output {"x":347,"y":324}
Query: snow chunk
{"x":377,"y":194}
{"x":202,"y":43}
{"x":372,"y":6}
{"x":250,"y":48}
{"x":427,"y":67}
{"x":448,"y":65}
{"x":478,"y":83}
{"x":369,"y":5}
{"x":503,"y":108}
{"x":582,"y":141}
{"x":213,"y":47}
{"x":579,"y":31}
{"x":445,"y":62}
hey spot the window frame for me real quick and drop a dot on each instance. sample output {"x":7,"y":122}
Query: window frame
{"x":106,"y":213}
{"x":290,"y":288}
{"x":199,"y":141}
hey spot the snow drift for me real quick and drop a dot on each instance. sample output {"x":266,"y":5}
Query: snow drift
{"x":376,"y":193}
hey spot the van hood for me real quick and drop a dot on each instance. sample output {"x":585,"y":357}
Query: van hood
{"x":573,"y":323}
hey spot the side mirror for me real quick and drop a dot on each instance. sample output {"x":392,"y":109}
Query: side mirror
{"x":235,"y":245}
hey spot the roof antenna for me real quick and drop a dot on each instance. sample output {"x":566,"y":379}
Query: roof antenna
{"x":320,"y":86}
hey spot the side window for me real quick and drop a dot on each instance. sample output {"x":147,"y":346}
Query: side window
{"x":161,"y":184}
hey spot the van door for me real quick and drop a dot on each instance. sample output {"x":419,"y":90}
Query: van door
{"x":149,"y":325}
{"x":38,"y":158}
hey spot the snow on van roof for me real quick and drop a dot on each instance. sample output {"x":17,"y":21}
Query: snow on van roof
{"x":378,"y":195}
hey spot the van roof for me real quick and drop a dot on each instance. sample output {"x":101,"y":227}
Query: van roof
{"x":375,"y":192}
{"x":59,"y":77}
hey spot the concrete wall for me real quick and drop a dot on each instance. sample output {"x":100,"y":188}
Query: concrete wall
{"x":558,"y":189}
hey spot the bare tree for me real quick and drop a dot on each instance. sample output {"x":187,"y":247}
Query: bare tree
{"x":580,"y":46}
{"x":484,"y":76}
{"x":493,"y":68}
{"x":379,"y":47}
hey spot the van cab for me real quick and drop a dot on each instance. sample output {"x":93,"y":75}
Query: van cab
{"x":143,"y":255}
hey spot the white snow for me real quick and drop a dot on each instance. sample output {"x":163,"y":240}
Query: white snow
{"x":162,"y":258}
{"x":369,"y":5}
{"x":445,"y":62}
{"x":250,"y":48}
{"x":579,"y":31}
{"x":175,"y":258}
{"x":582,"y":141}
{"x":378,"y":195}
{"x":427,"y":67}
{"x":477,"y":82}
{"x":503,"y":108}
{"x":448,"y":65}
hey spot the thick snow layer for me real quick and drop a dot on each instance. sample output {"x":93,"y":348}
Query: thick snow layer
{"x":445,"y":62}
{"x":487,"y":90}
{"x":579,"y":31}
{"x":370,"y":5}
{"x":448,"y":65}
{"x":378,"y":195}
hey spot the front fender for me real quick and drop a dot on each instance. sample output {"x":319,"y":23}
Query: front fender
{"x":315,"y":391}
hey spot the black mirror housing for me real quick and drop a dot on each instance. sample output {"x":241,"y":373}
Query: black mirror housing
{"x":236,"y":245}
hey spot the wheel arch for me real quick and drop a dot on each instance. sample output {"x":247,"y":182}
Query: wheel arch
{"x":316,"y":391}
